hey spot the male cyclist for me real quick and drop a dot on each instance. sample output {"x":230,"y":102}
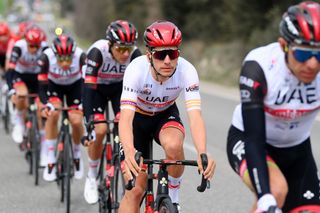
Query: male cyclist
{"x":5,"y":35}
{"x":269,"y":139}
{"x":151,"y":85}
{"x":60,"y":75}
{"x":107,"y":60}
{"x":22,"y":74}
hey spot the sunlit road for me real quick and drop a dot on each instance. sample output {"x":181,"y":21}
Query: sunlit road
{"x":227,"y":193}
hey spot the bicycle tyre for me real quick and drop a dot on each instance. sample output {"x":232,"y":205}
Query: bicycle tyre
{"x":29,"y":153}
{"x":103,"y":197}
{"x":67,"y":172}
{"x":166,"y":206}
{"x":35,"y":138}
{"x":6,"y":117}
{"x":118,"y":187}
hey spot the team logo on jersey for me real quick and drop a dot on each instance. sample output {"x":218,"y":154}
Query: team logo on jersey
{"x":193,"y":88}
{"x":308,"y":195}
{"x":145,"y":91}
{"x":92,"y":63}
{"x":249,"y":82}
{"x":116,"y":68}
{"x":238,"y":150}
{"x":157,"y":99}
{"x":302,"y":93}
{"x":245,"y":95}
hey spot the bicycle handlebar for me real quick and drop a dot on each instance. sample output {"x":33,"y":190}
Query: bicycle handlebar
{"x":204,"y":159}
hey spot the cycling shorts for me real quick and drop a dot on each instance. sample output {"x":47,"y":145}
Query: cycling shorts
{"x":72,"y":92}
{"x":147,"y":128}
{"x":31,"y":81}
{"x":296,"y":163}
{"x":104,"y":93}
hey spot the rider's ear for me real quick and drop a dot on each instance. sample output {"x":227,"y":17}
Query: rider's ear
{"x":284,"y":44}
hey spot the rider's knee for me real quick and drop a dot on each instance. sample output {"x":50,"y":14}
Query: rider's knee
{"x":100,"y":130}
{"x":174,"y":149}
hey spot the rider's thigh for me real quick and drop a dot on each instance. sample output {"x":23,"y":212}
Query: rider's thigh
{"x":76,"y":118}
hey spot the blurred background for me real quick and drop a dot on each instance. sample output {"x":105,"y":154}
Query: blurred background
{"x":216,"y":33}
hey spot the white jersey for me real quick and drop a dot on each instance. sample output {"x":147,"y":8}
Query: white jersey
{"x":60,"y":76}
{"x":290,"y":106}
{"x":27,"y":63}
{"x":110,"y":70}
{"x":142,"y":93}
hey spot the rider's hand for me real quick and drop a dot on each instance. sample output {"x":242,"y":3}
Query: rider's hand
{"x":130,"y":161}
{"x":208,"y":173}
{"x":46,"y":110}
{"x":265,"y":202}
{"x":88,"y":140}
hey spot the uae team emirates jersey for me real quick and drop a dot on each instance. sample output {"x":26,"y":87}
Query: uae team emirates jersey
{"x":290,"y":106}
{"x":142,"y":93}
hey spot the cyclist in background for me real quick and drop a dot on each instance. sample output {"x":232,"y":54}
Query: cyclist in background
{"x":22,"y":75}
{"x":151,"y":85}
{"x":269,"y":139}
{"x":22,"y":26}
{"x":107,"y":60}
{"x":60,"y":75}
{"x":5,"y":36}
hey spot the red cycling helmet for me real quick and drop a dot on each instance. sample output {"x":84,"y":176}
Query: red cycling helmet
{"x":22,"y":27}
{"x":4,"y":29}
{"x":34,"y":35}
{"x":301,"y":24}
{"x":63,"y":45}
{"x":122,"y":32}
{"x":162,"y":34}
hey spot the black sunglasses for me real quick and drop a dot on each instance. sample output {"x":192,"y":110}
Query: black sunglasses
{"x":162,"y":54}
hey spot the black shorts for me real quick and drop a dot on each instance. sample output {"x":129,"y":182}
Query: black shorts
{"x":147,"y":128}
{"x":31,"y":81}
{"x":296,"y":163}
{"x":103,"y":94}
{"x":72,"y":92}
{"x":2,"y":61}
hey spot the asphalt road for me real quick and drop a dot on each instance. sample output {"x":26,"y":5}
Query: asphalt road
{"x":227,"y":194}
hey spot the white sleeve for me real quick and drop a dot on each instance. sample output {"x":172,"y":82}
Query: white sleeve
{"x":191,"y":88}
{"x":130,"y":87}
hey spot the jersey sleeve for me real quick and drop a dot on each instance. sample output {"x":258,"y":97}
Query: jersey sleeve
{"x":253,"y":88}
{"x":15,"y":55}
{"x":43,"y":63}
{"x":93,"y":64}
{"x":130,"y":88}
{"x":191,"y":89}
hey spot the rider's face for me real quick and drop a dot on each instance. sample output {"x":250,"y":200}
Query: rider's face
{"x":121,"y":53}
{"x":164,"y":60}
{"x":304,"y":62}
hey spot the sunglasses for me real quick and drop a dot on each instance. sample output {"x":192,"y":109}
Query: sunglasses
{"x":34,"y":46}
{"x":162,"y":54}
{"x":123,"y":49}
{"x":64,"y":57}
{"x":303,"y":54}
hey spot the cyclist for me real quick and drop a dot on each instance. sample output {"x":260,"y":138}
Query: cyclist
{"x":151,"y":85}
{"x":61,"y":76}
{"x":269,"y":139}
{"x":106,"y":62}
{"x":17,"y":36}
{"x":5,"y":35}
{"x":22,"y":75}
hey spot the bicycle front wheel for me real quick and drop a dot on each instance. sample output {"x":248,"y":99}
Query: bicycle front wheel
{"x":118,"y":187}
{"x":166,"y":206}
{"x":67,"y":172}
{"x":35,"y":139}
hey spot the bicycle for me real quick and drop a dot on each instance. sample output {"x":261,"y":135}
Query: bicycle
{"x":64,"y":156}
{"x":162,"y":202}
{"x":6,"y":107}
{"x":111,"y":185}
{"x":31,"y":137}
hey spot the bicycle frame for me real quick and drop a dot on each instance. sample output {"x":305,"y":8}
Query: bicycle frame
{"x":64,"y":159}
{"x":153,"y":205}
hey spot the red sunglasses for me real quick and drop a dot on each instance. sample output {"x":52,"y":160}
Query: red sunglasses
{"x":162,"y":54}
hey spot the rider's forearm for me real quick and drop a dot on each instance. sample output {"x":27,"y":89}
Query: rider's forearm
{"x":198,"y":133}
{"x":126,"y":134}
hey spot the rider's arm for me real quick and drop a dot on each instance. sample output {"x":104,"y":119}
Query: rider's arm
{"x":15,"y":55}
{"x":198,"y":130}
{"x":43,"y":63}
{"x":253,"y":88}
{"x":125,"y":129}
{"x":94,"y":62}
